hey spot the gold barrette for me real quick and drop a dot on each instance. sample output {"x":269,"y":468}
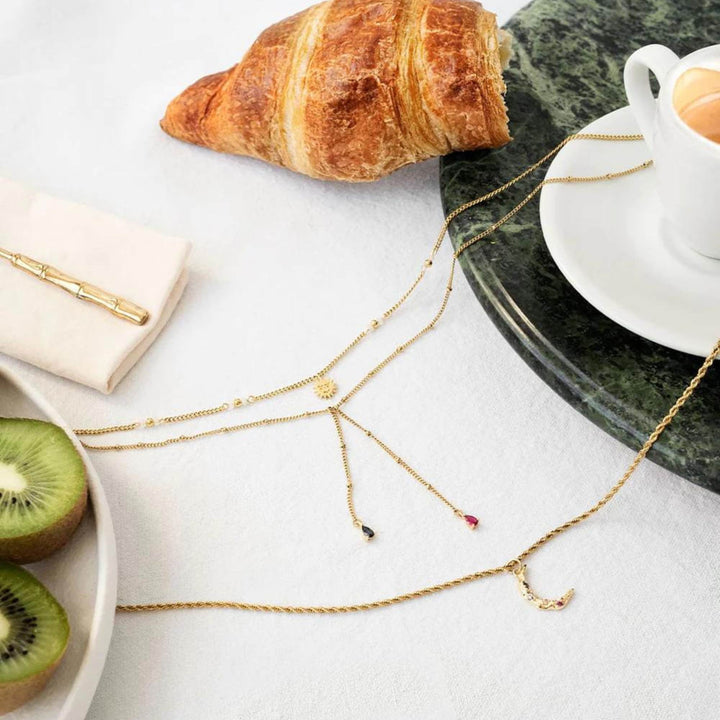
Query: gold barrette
{"x":118,"y":306}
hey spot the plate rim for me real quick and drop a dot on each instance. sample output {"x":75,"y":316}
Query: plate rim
{"x":82,"y":691}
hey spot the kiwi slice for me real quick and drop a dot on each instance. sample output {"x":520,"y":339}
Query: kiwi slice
{"x":34,"y":634}
{"x":43,"y":489}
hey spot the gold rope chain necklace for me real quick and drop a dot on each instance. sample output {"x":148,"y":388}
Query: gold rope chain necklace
{"x":326,"y":388}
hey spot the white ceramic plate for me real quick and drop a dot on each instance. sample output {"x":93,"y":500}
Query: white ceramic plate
{"x":607,"y":240}
{"x":82,"y":576}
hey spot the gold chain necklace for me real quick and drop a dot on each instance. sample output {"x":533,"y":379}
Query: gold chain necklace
{"x":326,"y":388}
{"x":324,"y":383}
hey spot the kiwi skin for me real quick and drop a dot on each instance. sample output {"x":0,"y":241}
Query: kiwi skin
{"x":15,"y":694}
{"x":38,"y":545}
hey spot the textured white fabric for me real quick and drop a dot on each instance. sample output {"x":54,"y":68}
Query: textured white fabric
{"x":49,"y":328}
{"x":284,"y":271}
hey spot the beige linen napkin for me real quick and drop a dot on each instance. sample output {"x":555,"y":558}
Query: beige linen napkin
{"x":49,"y":328}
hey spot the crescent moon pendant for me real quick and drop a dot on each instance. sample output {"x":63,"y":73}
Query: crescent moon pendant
{"x":539,"y":602}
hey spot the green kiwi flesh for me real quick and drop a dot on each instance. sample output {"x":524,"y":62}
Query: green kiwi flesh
{"x":34,"y":633}
{"x":43,"y":489}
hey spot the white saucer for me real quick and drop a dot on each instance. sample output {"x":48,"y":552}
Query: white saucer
{"x":607,"y":239}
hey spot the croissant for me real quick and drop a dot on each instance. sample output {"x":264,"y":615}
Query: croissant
{"x":354,"y":89}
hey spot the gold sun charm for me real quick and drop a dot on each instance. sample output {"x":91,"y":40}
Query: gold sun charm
{"x":325,"y":387}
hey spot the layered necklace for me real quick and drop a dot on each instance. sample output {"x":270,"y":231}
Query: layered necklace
{"x":326,"y":388}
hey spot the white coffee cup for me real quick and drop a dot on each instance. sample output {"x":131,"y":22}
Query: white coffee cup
{"x":687,"y":164}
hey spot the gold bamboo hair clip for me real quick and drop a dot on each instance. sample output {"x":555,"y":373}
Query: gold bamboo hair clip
{"x":124,"y":309}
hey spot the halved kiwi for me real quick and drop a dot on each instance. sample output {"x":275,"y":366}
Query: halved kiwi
{"x":43,"y":489}
{"x":34,"y":634}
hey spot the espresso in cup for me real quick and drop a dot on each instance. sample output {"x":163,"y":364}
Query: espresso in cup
{"x":696,"y":98}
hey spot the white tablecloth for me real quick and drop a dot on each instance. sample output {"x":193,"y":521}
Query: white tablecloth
{"x":284,"y":271}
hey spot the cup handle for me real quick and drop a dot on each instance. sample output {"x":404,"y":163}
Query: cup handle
{"x":660,"y":60}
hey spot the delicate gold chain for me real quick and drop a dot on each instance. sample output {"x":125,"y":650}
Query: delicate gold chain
{"x":238,"y":402}
{"x":106,"y":430}
{"x":346,"y":467}
{"x":336,"y":413}
{"x":383,"y":363}
{"x":208,"y":433}
{"x":409,"y":470}
{"x":511,"y":566}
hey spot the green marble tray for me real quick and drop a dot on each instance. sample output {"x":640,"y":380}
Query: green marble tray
{"x":567,"y":71}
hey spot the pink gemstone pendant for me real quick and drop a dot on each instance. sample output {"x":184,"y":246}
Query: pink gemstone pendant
{"x":471,"y":520}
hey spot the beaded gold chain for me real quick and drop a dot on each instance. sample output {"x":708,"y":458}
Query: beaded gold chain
{"x":325,"y":388}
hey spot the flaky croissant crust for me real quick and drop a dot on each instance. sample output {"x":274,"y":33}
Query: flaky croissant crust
{"x":354,"y":89}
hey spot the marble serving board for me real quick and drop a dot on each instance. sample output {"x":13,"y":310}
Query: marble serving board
{"x":567,"y":71}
